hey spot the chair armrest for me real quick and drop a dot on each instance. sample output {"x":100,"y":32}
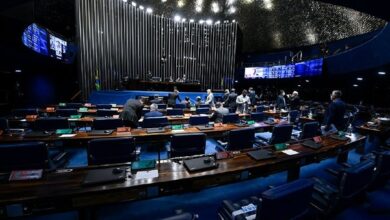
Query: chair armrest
{"x":332,"y":171}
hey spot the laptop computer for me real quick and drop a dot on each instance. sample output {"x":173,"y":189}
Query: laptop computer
{"x":100,"y":132}
{"x":200,"y":164}
{"x":155,"y":130}
{"x":204,"y":127}
{"x":103,"y":176}
{"x":312,"y":144}
{"x":261,"y":154}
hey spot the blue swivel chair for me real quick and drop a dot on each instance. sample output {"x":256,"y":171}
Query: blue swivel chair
{"x":204,"y":106}
{"x":103,"y":106}
{"x":51,"y":124}
{"x":288,"y":201}
{"x":22,"y":112}
{"x":181,"y":106}
{"x":280,"y":134}
{"x":175,"y":111}
{"x":202,"y":111}
{"x":4,"y":124}
{"x":187,"y":144}
{"x":155,"y":122}
{"x":258,"y":116}
{"x":241,"y":138}
{"x":348,"y":184}
{"x":111,"y":150}
{"x":230,"y":118}
{"x":382,"y":166}
{"x":106,"y":112}
{"x":294,"y":115}
{"x":66,"y":112}
{"x":107,"y":123}
{"x":23,"y":156}
{"x":198,"y":120}
{"x":309,"y":130}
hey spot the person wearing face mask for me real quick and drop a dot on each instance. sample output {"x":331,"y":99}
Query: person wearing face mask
{"x":243,"y":101}
{"x":281,"y":101}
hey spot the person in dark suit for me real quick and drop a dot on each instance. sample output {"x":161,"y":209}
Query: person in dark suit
{"x":156,"y":100}
{"x":219,"y":112}
{"x":153,"y":112}
{"x":252,"y":95}
{"x":295,"y":102}
{"x":132,"y":111}
{"x":225,"y":97}
{"x":173,"y":96}
{"x":280,"y":100}
{"x":231,"y":102}
{"x":335,"y":112}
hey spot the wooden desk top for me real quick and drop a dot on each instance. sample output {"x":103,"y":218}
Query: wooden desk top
{"x":66,"y":189}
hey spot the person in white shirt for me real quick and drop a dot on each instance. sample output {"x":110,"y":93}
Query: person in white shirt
{"x":210,"y":98}
{"x":243,"y":101}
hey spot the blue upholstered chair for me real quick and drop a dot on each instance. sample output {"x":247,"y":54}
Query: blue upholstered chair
{"x":198,"y":120}
{"x":175,"y":111}
{"x":348,"y":184}
{"x":23,"y":156}
{"x":294,"y":115}
{"x":103,"y":106}
{"x":258,"y":116}
{"x":107,"y":123}
{"x":111,"y":150}
{"x":288,"y":201}
{"x":155,"y":122}
{"x":66,"y":112}
{"x":280,"y":134}
{"x":51,"y":124}
{"x":241,"y":138}
{"x":187,"y":144}
{"x":22,"y":112}
{"x":4,"y":124}
{"x":202,"y":111}
{"x":230,"y":118}
{"x":161,"y":106}
{"x":204,"y":106}
{"x":382,"y":165}
{"x":181,"y":106}
{"x":309,"y":130}
{"x":106,"y":112}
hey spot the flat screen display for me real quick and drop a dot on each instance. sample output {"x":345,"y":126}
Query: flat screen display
{"x":302,"y":69}
{"x":35,"y":38}
{"x":58,"y":47}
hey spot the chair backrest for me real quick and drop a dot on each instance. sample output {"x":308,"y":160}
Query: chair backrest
{"x":106,"y":112}
{"x":202,"y":110}
{"x":294,"y":114}
{"x":175,"y":111}
{"x":181,"y":216}
{"x":107,"y":123}
{"x":182,"y":106}
{"x":355,"y":179}
{"x":288,"y":201}
{"x":161,"y":106}
{"x":309,"y":130}
{"x":260,"y":108}
{"x":22,"y":112}
{"x":281,"y":134}
{"x":72,"y":105}
{"x":66,"y":112}
{"x":198,"y":120}
{"x":155,"y":122}
{"x":241,"y":138}
{"x":23,"y":156}
{"x":51,"y":124}
{"x":258,"y":116}
{"x":230,"y":118}
{"x":103,"y":106}
{"x":382,"y":164}
{"x":111,"y":150}
{"x":204,"y":106}
{"x":187,"y":144}
{"x":4,"y":124}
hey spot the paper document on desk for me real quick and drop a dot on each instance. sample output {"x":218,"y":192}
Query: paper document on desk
{"x":290,"y":152}
{"x":67,"y":135}
{"x":146,"y":174}
{"x":178,"y":131}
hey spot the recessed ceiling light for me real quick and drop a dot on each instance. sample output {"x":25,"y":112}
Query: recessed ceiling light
{"x":209,"y":22}
{"x":299,"y":85}
{"x":201,"y":21}
{"x":307,"y":80}
{"x":183,"y":20}
{"x":180,"y":3}
{"x":192,"y":20}
{"x":18,"y":71}
{"x":355,"y":85}
{"x":149,"y":10}
{"x":141,"y":7}
{"x":163,"y":0}
{"x":359,"y":79}
{"x":177,"y":18}
{"x":124,"y":1}
{"x":382,"y":73}
{"x":133,"y":4}
{"x":234,"y":21}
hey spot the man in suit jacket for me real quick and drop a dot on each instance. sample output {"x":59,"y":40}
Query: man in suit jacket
{"x":231,"y":102}
{"x":295,"y":102}
{"x":225,"y":97}
{"x":153,"y":112}
{"x":280,"y":100}
{"x":335,"y":113}
{"x":132,"y":112}
{"x":219,"y":112}
{"x":210,"y":98}
{"x":172,"y":97}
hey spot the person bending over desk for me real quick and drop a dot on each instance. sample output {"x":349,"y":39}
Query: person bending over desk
{"x":132,"y":111}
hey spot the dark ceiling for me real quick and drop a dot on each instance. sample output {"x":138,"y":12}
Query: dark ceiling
{"x":266,"y":25}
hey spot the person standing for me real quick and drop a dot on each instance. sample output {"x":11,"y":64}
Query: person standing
{"x":243,"y":101}
{"x":210,"y":99}
{"x":295,"y":102}
{"x":173,"y":96}
{"x":225,"y":97}
{"x":280,"y":100}
{"x":231,"y":102}
{"x":335,"y":113}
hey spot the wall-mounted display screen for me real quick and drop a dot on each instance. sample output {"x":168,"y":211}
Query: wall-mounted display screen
{"x":301,"y":69}
{"x":43,"y":41}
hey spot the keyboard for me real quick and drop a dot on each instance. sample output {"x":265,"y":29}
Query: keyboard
{"x":155,"y":130}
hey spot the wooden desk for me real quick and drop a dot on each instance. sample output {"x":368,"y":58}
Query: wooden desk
{"x":277,"y":114}
{"x":63,"y":191}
